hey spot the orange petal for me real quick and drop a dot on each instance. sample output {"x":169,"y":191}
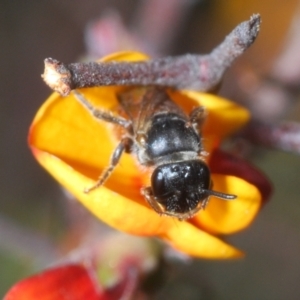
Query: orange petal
{"x":226,"y":217}
{"x":125,"y":56}
{"x":135,"y":218}
{"x":192,"y":241}
{"x":63,"y":128}
{"x":224,"y":116}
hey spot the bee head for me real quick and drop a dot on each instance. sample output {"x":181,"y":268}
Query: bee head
{"x":184,"y":186}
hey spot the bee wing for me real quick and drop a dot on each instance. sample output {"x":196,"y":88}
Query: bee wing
{"x":143,"y":103}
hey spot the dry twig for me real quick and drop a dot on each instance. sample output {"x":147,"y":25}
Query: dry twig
{"x":195,"y":72}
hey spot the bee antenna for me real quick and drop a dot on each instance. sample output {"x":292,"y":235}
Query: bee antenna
{"x":221,"y":195}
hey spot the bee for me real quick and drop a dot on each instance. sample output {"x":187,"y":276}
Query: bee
{"x":163,"y":137}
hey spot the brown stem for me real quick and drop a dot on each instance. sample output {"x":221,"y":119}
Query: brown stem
{"x":284,"y":136}
{"x":195,"y":72}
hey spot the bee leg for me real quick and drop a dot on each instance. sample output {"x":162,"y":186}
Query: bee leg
{"x":147,"y":193}
{"x":124,"y":145}
{"x":197,"y":117}
{"x":100,"y":114}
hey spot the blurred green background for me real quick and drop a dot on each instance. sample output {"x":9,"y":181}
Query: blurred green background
{"x":32,"y":209}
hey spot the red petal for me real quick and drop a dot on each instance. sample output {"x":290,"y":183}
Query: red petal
{"x":72,"y":282}
{"x":228,"y":164}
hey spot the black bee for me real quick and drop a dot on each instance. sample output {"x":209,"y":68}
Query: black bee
{"x":162,"y":136}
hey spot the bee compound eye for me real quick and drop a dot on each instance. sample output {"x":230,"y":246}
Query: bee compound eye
{"x":158,"y":182}
{"x":166,"y":181}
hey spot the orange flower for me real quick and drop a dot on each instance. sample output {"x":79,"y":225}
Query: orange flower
{"x":75,"y":149}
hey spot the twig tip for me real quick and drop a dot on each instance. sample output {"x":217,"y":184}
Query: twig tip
{"x":255,"y":22}
{"x":57,"y":76}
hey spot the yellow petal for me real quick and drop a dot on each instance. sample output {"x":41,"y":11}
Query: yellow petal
{"x":131,"y":217}
{"x":226,"y":217}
